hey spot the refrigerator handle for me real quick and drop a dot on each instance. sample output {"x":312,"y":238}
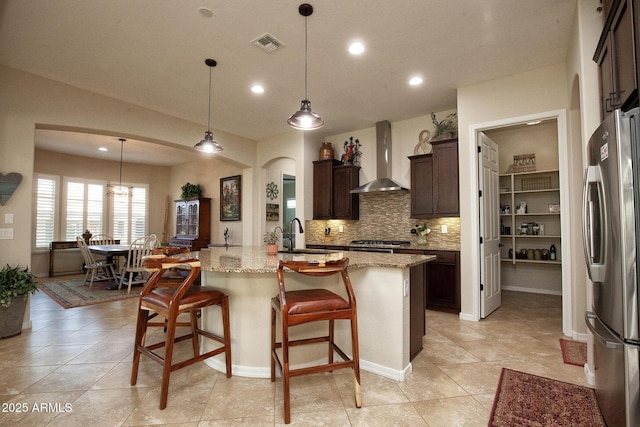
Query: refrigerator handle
{"x":588,"y":316}
{"x":594,"y":267}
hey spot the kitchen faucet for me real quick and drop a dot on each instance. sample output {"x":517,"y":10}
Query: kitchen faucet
{"x":291,"y":232}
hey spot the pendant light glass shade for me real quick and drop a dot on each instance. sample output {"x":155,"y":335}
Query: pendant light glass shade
{"x":120,"y":190}
{"x":305,"y":118}
{"x":207,"y":144}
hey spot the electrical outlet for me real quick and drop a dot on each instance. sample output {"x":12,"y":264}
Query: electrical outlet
{"x":443,"y":229}
{"x":341,"y":229}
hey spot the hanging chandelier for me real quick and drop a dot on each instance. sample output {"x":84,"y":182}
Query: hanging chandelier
{"x":207,"y":144}
{"x":120,"y":190}
{"x":305,"y":118}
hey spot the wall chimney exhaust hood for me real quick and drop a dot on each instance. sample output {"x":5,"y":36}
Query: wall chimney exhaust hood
{"x":383,"y":163}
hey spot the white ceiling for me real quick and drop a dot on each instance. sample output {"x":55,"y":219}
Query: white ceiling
{"x":151,"y":53}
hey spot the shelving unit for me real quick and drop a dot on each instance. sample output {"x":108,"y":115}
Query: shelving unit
{"x":539,"y":191}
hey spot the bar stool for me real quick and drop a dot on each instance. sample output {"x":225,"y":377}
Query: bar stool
{"x":169,"y":298}
{"x":313,"y":305}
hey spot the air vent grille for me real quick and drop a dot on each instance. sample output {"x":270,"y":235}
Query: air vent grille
{"x":267,"y":43}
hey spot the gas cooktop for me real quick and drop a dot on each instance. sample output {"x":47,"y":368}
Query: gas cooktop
{"x":381,"y":242}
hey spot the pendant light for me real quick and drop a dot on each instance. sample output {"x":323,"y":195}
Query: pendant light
{"x":120,"y":190}
{"x":305,"y":118}
{"x":208,"y":145}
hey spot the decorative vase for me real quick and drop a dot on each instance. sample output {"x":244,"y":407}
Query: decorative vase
{"x":326,"y":151}
{"x":11,"y":317}
{"x":272,"y":249}
{"x":422,"y":240}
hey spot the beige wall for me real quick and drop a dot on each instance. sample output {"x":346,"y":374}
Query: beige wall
{"x":29,"y":101}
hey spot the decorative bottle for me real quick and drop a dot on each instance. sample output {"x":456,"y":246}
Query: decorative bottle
{"x":552,"y":253}
{"x":326,"y":151}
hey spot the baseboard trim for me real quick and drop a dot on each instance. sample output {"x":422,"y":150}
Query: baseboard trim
{"x":531,"y":290}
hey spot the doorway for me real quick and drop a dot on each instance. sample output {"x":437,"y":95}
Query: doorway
{"x":506,"y":133}
{"x":289,"y":202}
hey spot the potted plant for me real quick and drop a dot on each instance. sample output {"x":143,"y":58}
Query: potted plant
{"x":270,"y":239}
{"x":446,"y":128}
{"x":190,"y":191}
{"x":16,"y":283}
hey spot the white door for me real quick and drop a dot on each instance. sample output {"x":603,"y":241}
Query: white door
{"x":490,"y":297}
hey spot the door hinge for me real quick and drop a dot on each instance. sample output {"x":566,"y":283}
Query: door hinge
{"x":479,"y":149}
{"x":480,"y":193}
{"x":481,"y":287}
{"x":480,"y":240}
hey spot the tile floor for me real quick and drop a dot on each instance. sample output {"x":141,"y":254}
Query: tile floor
{"x":73,"y":367}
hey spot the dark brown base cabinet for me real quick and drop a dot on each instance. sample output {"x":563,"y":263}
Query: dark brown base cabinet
{"x":441,"y":280}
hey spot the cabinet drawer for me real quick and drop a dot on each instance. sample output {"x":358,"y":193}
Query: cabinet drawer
{"x":443,"y":256}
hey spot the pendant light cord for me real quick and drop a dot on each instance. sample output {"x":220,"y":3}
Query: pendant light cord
{"x":209,"y":116}
{"x":305,"y":58}
{"x":121,"y":148}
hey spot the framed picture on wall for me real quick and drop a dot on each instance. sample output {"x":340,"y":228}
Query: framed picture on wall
{"x":230,"y":198}
{"x":273,"y":212}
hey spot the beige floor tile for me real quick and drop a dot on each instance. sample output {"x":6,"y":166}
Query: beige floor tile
{"x":83,"y":357}
{"x":455,"y":411}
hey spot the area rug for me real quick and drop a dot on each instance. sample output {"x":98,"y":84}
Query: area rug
{"x":529,"y":400}
{"x":573,"y":352}
{"x":75,"y":293}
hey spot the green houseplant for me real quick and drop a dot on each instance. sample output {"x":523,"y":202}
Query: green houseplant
{"x":190,"y":191}
{"x":16,"y":283}
{"x":270,"y":239}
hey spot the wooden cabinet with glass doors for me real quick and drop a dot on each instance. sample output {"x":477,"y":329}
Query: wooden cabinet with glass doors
{"x":193,"y":223}
{"x":530,"y":217}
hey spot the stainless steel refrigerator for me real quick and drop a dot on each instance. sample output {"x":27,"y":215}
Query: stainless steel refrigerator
{"x":611,"y":228}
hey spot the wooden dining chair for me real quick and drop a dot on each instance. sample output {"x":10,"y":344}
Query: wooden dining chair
{"x":169,"y":300}
{"x":313,"y":305}
{"x":101,"y":239}
{"x":132,"y":271}
{"x":93,"y":266}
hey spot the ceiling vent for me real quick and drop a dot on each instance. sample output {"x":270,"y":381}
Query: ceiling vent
{"x":267,"y":43}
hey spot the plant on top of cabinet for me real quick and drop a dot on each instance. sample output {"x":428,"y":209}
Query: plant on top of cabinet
{"x":190,"y":191}
{"x":446,"y":128}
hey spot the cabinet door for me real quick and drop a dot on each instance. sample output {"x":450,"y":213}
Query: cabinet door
{"x":322,"y":184}
{"x":606,"y":79}
{"x":445,"y":179}
{"x":421,"y":186}
{"x":443,"y":282}
{"x":624,"y":56}
{"x":417,"y":327}
{"x":345,"y":205}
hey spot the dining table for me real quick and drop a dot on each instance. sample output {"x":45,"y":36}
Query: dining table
{"x":110,"y":252}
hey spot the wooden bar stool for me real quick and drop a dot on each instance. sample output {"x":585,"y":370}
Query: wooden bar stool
{"x":170,"y":297}
{"x":313,"y":305}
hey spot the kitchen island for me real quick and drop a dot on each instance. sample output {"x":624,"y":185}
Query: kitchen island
{"x":381,"y":283}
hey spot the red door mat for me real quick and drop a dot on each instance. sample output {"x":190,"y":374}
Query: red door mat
{"x":573,"y":352}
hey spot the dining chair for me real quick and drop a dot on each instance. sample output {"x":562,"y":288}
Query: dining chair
{"x":102,"y":239}
{"x":313,"y":305}
{"x":93,"y":266}
{"x":169,"y":300}
{"x":133,"y":271}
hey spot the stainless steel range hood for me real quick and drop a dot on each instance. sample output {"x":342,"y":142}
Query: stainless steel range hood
{"x":383,"y":163}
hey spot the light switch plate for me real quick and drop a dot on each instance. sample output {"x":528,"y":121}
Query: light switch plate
{"x":8,"y":218}
{"x":6,"y":233}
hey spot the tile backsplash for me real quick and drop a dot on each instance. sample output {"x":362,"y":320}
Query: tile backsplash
{"x":384,"y":216}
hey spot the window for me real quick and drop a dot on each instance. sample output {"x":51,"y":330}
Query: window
{"x":83,"y":205}
{"x":84,"y":208}
{"x":45,"y":209}
{"x":130,"y":215}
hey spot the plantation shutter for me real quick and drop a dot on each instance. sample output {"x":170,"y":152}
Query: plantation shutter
{"x":46,"y":189}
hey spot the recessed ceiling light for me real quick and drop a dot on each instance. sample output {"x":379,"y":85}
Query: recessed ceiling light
{"x":356,"y":48}
{"x":206,"y":12}
{"x":103,"y":149}
{"x":257,"y":89}
{"x":415,"y":81}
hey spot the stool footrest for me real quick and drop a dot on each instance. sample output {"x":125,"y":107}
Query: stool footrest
{"x":320,"y":368}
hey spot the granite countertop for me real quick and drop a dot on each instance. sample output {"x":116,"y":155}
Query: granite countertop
{"x":254,"y":259}
{"x":430,"y":246}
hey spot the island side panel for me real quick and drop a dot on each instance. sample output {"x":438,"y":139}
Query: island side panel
{"x":383,"y":321}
